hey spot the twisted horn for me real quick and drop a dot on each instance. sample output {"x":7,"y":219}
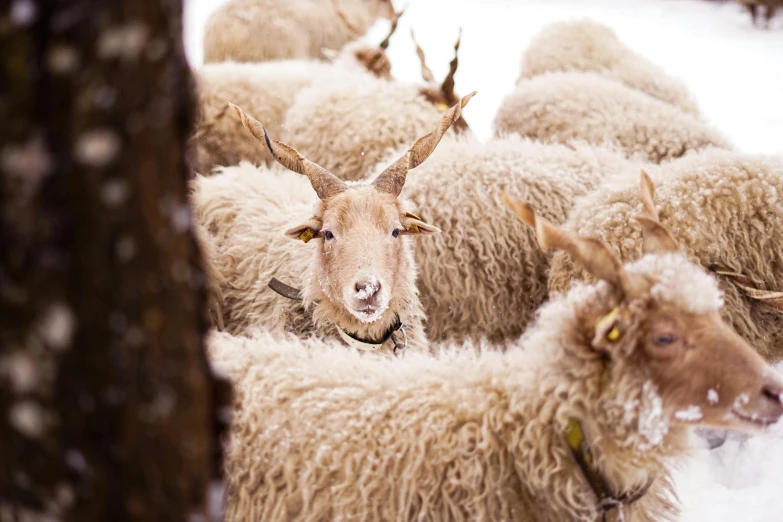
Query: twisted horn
{"x":324,"y":182}
{"x":426,"y":73}
{"x":385,"y":43}
{"x":392,"y":179}
{"x":447,"y":87}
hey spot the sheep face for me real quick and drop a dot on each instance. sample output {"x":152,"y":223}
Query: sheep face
{"x":362,"y":259}
{"x":671,"y":358}
{"x":704,"y":372}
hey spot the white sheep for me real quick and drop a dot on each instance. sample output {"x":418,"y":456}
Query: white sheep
{"x":588,"y":46}
{"x":268,"y":89}
{"x":358,"y":277}
{"x":263,"y":30}
{"x":581,"y":421}
{"x":726,"y":208}
{"x":559,"y":107}
{"x":484,"y":275}
{"x":349,"y":124}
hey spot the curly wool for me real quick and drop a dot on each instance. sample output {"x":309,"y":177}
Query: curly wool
{"x":467,"y":435}
{"x":588,"y":46}
{"x":559,"y":107}
{"x":246,"y":210}
{"x":349,"y":124}
{"x":484,"y":275}
{"x":263,"y":30}
{"x":265,"y":90}
{"x":722,"y":207}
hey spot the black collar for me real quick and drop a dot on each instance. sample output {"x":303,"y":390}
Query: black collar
{"x":607,"y":499}
{"x":392,"y":333}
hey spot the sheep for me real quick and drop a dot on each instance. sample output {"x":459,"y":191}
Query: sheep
{"x":770,"y":7}
{"x":264,"y":30}
{"x":727,"y":210}
{"x":581,"y":421}
{"x":572,"y":105}
{"x":350,"y":124}
{"x":484,"y":276}
{"x":588,"y":46}
{"x":358,"y":283}
{"x":268,"y":90}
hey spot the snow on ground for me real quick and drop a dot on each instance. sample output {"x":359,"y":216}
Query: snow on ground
{"x":733,"y":69}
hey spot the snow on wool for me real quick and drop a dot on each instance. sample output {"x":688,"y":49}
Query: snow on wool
{"x":741,"y":479}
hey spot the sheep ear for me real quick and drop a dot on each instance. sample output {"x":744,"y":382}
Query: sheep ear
{"x":413,"y":224}
{"x":591,"y":253}
{"x":656,"y":239}
{"x":306,"y":231}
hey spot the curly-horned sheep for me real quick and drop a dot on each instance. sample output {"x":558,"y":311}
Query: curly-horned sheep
{"x":358,"y":278}
{"x":484,"y":276}
{"x":267,"y":89}
{"x":559,"y":107}
{"x":350,"y":124}
{"x":265,"y":30}
{"x":613,"y":375}
{"x":588,"y":46}
{"x":726,"y":209}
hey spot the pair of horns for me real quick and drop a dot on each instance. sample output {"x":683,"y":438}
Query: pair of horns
{"x":593,"y":253}
{"x":447,"y":87}
{"x":326,"y":184}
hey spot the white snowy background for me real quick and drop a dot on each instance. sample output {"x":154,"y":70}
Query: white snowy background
{"x":736,"y":74}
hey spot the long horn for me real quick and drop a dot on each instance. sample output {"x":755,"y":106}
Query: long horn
{"x":385,"y":43}
{"x":447,"y":87}
{"x":392,"y":179}
{"x":426,"y":73}
{"x":324,"y":182}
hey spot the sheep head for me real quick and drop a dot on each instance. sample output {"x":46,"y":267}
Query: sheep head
{"x":441,"y":96}
{"x":372,"y":58}
{"x":363,"y":262}
{"x":658,"y":321}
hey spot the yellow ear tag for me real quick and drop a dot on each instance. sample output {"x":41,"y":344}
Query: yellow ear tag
{"x":307,"y":235}
{"x":413,"y":228}
{"x":442,"y":107}
{"x":614,"y":334}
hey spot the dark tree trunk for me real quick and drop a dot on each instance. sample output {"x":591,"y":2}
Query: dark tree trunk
{"x":107,"y":404}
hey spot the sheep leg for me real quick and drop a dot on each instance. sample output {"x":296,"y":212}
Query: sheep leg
{"x":769,"y":14}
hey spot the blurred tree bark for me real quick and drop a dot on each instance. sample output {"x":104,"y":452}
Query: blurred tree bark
{"x":108,"y":408}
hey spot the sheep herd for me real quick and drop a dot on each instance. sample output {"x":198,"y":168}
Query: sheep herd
{"x":423,"y":326}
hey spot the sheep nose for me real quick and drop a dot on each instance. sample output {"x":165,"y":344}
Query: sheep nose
{"x":367,"y":290}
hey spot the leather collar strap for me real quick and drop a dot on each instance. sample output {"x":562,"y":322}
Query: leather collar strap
{"x":396,"y":333}
{"x":607,"y":500}
{"x":392,"y":333}
{"x":289,"y":292}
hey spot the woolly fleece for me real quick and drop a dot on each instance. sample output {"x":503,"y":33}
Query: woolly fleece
{"x":246,"y":210}
{"x":588,"y":46}
{"x":484,"y":275}
{"x":466,"y":435}
{"x":263,"y":30}
{"x":561,"y":107}
{"x":347,"y":125}
{"x":721,"y":206}
{"x":265,"y":90}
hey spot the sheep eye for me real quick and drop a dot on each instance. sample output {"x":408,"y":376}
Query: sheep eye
{"x":396,"y":232}
{"x":665,"y":340}
{"x":328,"y":235}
